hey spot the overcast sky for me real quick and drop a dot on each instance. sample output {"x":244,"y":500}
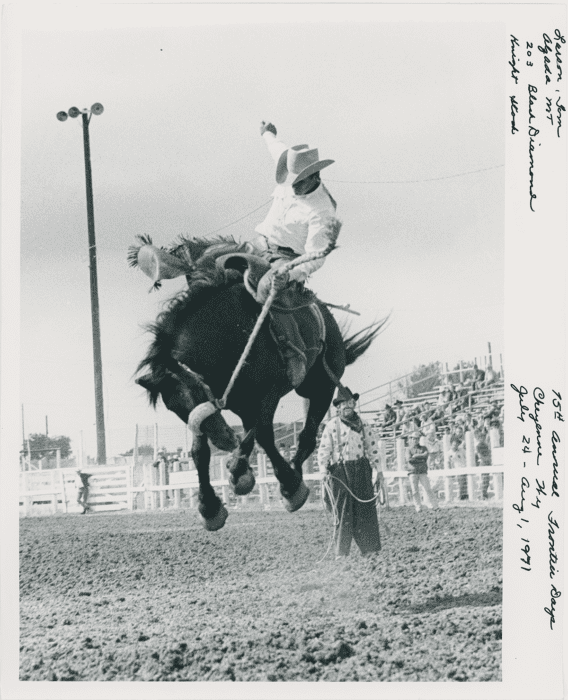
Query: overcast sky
{"x":178,"y":150}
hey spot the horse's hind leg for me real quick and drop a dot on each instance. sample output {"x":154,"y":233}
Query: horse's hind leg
{"x":213,"y":512}
{"x":242,"y":476}
{"x":292,"y":487}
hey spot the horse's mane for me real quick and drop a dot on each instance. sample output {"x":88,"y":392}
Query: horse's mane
{"x":205,"y":280}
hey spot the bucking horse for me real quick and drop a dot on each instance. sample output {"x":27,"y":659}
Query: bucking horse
{"x":198,"y":341}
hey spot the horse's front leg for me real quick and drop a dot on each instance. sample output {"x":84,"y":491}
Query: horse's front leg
{"x":242,"y":476}
{"x":213,"y":512}
{"x":292,"y":487}
{"x":320,"y":401}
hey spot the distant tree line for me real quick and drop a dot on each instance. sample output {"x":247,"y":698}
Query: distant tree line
{"x":41,"y":446}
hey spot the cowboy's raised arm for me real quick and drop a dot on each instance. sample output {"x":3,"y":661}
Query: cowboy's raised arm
{"x":274,"y":145}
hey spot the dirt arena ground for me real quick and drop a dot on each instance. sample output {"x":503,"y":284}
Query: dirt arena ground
{"x":151,"y":596}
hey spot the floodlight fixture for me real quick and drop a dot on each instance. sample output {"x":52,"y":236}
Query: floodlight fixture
{"x":74,"y":112}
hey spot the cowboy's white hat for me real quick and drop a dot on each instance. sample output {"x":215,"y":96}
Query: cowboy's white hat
{"x":298,"y":163}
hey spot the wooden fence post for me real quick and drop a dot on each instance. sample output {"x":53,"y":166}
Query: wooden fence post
{"x":400,"y":467}
{"x":177,"y":492}
{"x":26,"y":499}
{"x":154,"y":478}
{"x":495,"y":440}
{"x":63,"y":491}
{"x":447,"y":479}
{"x":54,"y":495}
{"x":470,"y":462}
{"x":162,"y":482}
{"x":148,"y":483}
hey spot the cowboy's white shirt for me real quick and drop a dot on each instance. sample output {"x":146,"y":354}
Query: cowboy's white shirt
{"x":348,"y":445}
{"x":297,"y":222}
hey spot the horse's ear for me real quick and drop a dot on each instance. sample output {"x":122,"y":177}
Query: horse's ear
{"x":147,"y":382}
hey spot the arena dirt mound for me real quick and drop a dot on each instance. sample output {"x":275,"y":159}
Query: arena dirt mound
{"x":152,"y":596}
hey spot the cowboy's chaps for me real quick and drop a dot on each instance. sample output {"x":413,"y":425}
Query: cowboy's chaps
{"x":297,"y":324}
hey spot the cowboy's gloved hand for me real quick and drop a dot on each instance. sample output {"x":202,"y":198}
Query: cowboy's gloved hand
{"x":273,"y":278}
{"x":267,"y":127}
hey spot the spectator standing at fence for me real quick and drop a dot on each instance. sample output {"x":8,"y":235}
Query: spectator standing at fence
{"x":417,"y":466}
{"x":457,"y":455}
{"x":83,"y":489}
{"x":348,"y":451}
{"x":433,"y":445}
{"x":482,"y":455}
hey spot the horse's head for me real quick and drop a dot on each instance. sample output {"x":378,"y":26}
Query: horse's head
{"x":188,"y":400}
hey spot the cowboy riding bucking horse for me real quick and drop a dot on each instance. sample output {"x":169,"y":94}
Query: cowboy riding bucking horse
{"x":212,"y":349}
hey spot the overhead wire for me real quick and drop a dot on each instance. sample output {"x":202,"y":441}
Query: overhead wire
{"x":239,"y":219}
{"x":405,"y":182}
{"x":366,"y":182}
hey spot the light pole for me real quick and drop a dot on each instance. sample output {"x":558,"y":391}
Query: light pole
{"x":86,"y":114}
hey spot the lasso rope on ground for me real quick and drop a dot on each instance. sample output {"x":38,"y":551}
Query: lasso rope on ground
{"x":369,"y":500}
{"x":336,"y":522}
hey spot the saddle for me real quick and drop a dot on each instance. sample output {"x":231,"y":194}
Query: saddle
{"x":293,"y":304}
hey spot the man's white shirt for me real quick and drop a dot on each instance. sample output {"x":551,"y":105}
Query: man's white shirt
{"x":298,"y":222}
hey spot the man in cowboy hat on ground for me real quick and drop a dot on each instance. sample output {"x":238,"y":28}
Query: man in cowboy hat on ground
{"x":300,"y":220}
{"x":348,"y":451}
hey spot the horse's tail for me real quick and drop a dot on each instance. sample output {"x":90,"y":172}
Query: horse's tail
{"x":359,"y":342}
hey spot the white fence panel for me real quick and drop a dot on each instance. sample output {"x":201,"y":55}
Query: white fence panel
{"x":55,"y":490}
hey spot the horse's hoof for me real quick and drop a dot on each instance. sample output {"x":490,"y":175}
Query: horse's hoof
{"x":297,"y":500}
{"x":244,"y":484}
{"x":216,"y":523}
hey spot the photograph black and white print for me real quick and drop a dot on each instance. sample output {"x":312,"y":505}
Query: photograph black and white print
{"x":283,"y":350}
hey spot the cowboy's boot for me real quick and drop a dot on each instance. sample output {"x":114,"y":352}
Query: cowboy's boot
{"x":290,"y":342}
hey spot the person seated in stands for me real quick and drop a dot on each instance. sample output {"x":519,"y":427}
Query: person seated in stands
{"x":428,"y":422}
{"x":400,"y":410}
{"x":490,"y":377}
{"x":478,"y":377}
{"x":439,"y":416}
{"x":389,"y":416}
{"x":492,"y":419}
{"x":446,"y":395}
{"x":406,"y":429}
